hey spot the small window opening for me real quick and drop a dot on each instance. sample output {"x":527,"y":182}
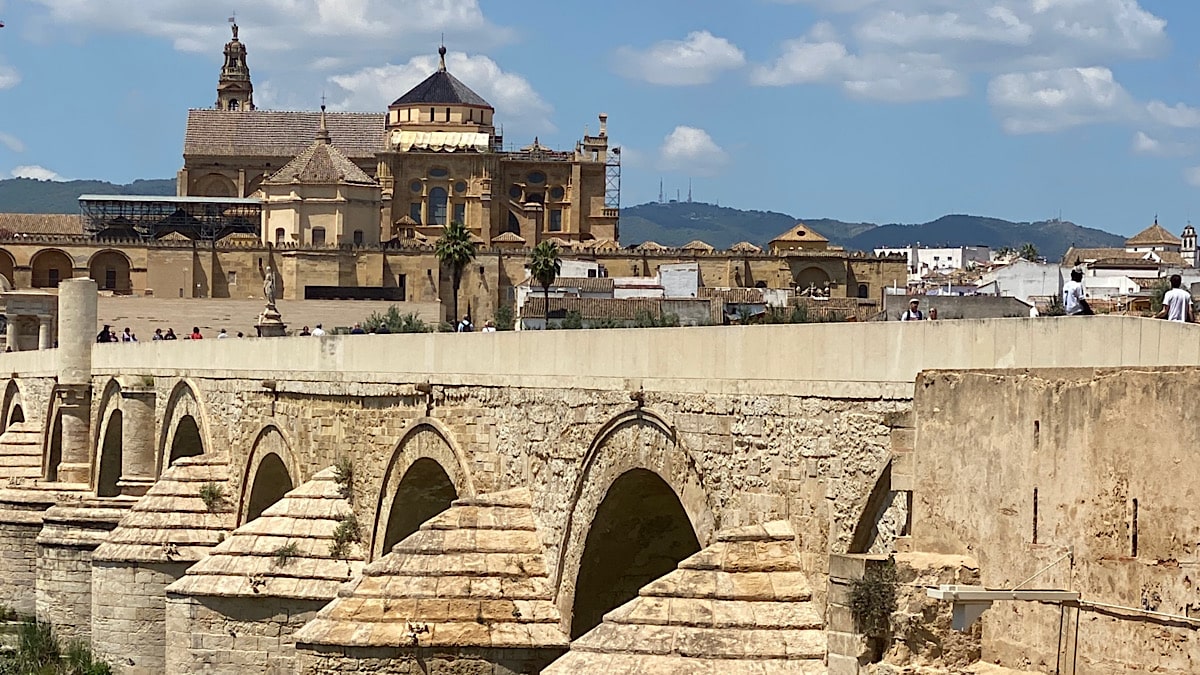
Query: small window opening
{"x":1035,"y":515}
{"x":1133,"y":531}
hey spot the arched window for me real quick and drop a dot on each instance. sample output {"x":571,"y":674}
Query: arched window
{"x":233,"y":104}
{"x":437,"y":205}
{"x":864,"y":291}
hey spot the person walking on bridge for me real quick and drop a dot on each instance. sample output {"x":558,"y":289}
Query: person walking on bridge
{"x":1177,"y":303}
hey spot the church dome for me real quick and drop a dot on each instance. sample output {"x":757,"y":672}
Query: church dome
{"x":441,"y":88}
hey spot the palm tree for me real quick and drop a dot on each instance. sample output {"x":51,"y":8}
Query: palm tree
{"x":455,"y":250}
{"x":544,"y":266}
{"x":1028,"y":252}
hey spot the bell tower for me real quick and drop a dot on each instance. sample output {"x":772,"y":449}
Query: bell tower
{"x":234,"y":89}
{"x":1189,"y":245}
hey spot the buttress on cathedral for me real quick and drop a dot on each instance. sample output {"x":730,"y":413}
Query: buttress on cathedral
{"x":435,"y":157}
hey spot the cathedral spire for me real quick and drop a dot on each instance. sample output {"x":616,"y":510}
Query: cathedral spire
{"x":442,"y":59}
{"x":234,"y":89}
{"x":323,"y":132}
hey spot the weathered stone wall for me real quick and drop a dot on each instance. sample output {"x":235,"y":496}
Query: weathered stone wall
{"x":425,"y":661}
{"x":18,"y":559}
{"x":129,"y":614}
{"x":64,"y":563}
{"x":1089,"y":474}
{"x":234,"y":635}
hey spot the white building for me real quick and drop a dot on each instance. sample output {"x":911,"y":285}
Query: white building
{"x":922,"y":260}
{"x":1023,"y":279}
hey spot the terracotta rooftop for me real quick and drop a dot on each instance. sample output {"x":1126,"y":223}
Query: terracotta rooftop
{"x":171,"y":523}
{"x":584,"y":284}
{"x":593,"y":308}
{"x":249,"y":563}
{"x":20,"y":451}
{"x":1116,"y":256}
{"x":649,"y":246}
{"x":741,"y":296}
{"x":475,"y":575}
{"x":271,"y":133}
{"x":602,"y":245}
{"x":509,"y":238}
{"x":742,"y":605}
{"x":745,"y":247}
{"x":41,"y":223}
{"x":321,"y":163}
{"x":1154,"y":235}
{"x":697,"y":245}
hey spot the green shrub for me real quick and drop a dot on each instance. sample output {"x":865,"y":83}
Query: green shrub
{"x":345,"y":534}
{"x":395,"y":322}
{"x":873,"y":600}
{"x":505,"y":318}
{"x":284,"y":554}
{"x":572,"y":321}
{"x":343,"y":473}
{"x":213,"y":495}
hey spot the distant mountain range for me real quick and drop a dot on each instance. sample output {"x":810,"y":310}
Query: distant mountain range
{"x":27,"y":195}
{"x":677,"y":223}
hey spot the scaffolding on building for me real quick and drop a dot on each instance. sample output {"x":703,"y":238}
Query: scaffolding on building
{"x":154,"y":217}
{"x":612,"y":180}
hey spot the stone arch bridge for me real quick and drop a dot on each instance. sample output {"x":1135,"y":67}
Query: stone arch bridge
{"x":174,"y":501}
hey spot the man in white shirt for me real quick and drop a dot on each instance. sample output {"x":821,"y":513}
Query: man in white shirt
{"x":1073,"y":301}
{"x":913,"y":313}
{"x":318,"y":331}
{"x":1177,"y":303}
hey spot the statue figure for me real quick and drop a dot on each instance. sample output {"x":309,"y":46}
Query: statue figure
{"x":270,"y":286}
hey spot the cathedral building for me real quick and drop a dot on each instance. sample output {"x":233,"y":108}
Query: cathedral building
{"x":435,"y":154}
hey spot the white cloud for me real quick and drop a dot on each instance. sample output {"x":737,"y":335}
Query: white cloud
{"x":1053,"y":100}
{"x":902,"y":77}
{"x":36,"y":172}
{"x":912,"y":50}
{"x":691,"y":150}
{"x":297,"y":43}
{"x":1143,"y":144}
{"x":11,"y":142}
{"x":9,"y":77}
{"x":1192,"y":176}
{"x":698,"y":59}
{"x":1179,"y":115}
{"x":521,"y":108}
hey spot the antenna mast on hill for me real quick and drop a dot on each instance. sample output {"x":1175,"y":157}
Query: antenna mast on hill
{"x":689,"y":190}
{"x":660,"y":192}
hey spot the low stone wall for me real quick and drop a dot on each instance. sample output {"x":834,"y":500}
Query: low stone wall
{"x":241,"y":636}
{"x":20,"y":523}
{"x":129,"y":614}
{"x":424,"y":661}
{"x":64,"y":566}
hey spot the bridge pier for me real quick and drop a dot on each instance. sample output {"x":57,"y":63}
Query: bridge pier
{"x":137,"y":440}
{"x":77,"y":325}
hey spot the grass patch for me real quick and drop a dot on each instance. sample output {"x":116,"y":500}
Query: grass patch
{"x":213,"y":495}
{"x":344,"y":535}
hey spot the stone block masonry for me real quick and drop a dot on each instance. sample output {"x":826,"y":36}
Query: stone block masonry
{"x":129,"y":612}
{"x":247,"y":636}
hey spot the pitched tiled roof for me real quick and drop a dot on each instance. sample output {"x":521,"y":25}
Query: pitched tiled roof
{"x":508,"y":238}
{"x":473,"y":576}
{"x":745,"y":247}
{"x":741,"y":296}
{"x":593,"y":308}
{"x":441,"y":88}
{"x":249,"y":563}
{"x":171,"y":523}
{"x":800,"y":232}
{"x":697,"y":245}
{"x":21,"y":451}
{"x":585,"y":284}
{"x":322,"y":164}
{"x":1153,"y":235}
{"x":1112,"y":256}
{"x":602,"y":245}
{"x":272,"y":133}
{"x":740,"y":606}
{"x":649,"y":246}
{"x":41,"y":223}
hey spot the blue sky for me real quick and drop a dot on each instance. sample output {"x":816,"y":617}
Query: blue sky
{"x":873,"y":110}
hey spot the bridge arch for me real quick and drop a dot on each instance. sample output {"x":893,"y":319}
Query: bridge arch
{"x":52,"y":438}
{"x":639,"y":507}
{"x":12,"y":410}
{"x":185,"y":427}
{"x":426,"y":472}
{"x":271,"y":472}
{"x":106,"y":469}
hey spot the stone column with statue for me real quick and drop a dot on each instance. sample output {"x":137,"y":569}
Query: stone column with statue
{"x":270,"y":323}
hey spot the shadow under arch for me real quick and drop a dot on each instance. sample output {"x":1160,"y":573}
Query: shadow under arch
{"x":107,"y":440}
{"x":433,"y":472}
{"x":185,"y":429}
{"x":271,"y":472}
{"x":638,"y":444}
{"x":871,"y":509}
{"x":12,"y":410}
{"x":52,"y":438}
